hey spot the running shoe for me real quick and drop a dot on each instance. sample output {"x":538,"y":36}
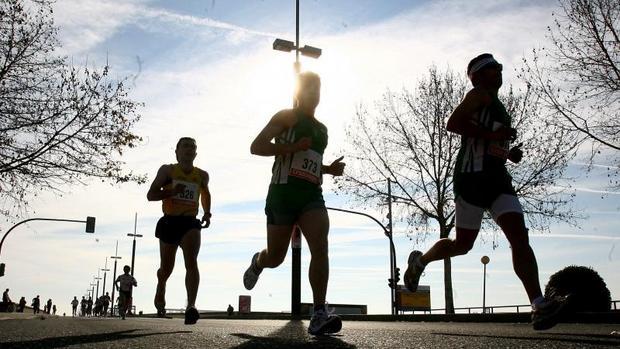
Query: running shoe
{"x":414,"y":270}
{"x":549,"y":313}
{"x":161,"y":309}
{"x":191,"y":315}
{"x":250,"y":277}
{"x":323,"y":322}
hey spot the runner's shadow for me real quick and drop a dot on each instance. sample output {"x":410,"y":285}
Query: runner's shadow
{"x":61,"y":342}
{"x":552,"y":337}
{"x":292,"y":335}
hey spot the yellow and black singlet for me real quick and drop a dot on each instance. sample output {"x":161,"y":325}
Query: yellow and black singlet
{"x":185,"y":203}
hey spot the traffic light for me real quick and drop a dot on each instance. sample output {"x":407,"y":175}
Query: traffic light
{"x":90,"y":224}
{"x":2,"y":269}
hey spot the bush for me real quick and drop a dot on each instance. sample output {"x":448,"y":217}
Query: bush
{"x":588,"y":291}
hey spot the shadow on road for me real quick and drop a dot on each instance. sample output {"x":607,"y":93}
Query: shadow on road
{"x":292,"y":335}
{"x":61,"y":342}
{"x":553,"y":337}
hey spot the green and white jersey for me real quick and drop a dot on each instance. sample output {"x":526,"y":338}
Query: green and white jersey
{"x":481,"y":155}
{"x":302,"y":168}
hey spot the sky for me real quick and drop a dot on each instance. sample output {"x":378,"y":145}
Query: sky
{"x":206,"y":69}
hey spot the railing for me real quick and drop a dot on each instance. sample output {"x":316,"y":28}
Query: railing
{"x":615,"y":305}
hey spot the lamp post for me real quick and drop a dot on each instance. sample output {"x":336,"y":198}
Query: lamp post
{"x":97,"y":278}
{"x":485,"y":260}
{"x":133,"y":249}
{"x":314,"y":52}
{"x":116,"y":258}
{"x":394,"y":271}
{"x":90,"y":228}
{"x":105,"y":271}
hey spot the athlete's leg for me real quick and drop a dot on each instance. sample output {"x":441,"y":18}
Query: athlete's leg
{"x":445,"y":248}
{"x":167,"y":253}
{"x":314,"y":225}
{"x":523,"y":258}
{"x":278,"y":239}
{"x":190,"y":244}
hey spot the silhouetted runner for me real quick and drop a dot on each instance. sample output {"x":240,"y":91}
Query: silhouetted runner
{"x":180,"y":187}
{"x":482,"y":183}
{"x":295,"y":195}
{"x":124,"y":285}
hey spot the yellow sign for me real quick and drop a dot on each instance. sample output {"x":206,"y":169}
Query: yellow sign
{"x":420,"y":300}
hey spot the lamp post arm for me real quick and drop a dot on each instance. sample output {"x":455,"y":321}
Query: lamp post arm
{"x":35,"y":219}
{"x":385,"y":230}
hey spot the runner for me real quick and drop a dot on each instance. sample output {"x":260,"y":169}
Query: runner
{"x":181,"y":187}
{"x":74,"y":305}
{"x":295,"y":196}
{"x":124,"y":285}
{"x":482,"y":183}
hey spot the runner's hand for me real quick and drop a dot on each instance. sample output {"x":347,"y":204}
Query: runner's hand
{"x":303,"y":144}
{"x":206,"y":221}
{"x":179,"y":188}
{"x":516,"y":154}
{"x":336,"y":168}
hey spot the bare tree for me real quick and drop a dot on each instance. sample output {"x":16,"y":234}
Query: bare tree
{"x":577,"y":78}
{"x":405,"y":139}
{"x":59,"y":124}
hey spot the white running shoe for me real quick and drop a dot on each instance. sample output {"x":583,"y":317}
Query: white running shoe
{"x":250,"y":277}
{"x":323,"y":322}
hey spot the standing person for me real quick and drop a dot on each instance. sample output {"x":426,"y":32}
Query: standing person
{"x":180,"y":187}
{"x":89,"y":306}
{"x":36,"y":303}
{"x":124,"y":285}
{"x":83,"y":305}
{"x":295,"y":196}
{"x":106,"y":303}
{"x":74,"y":305}
{"x":482,"y":183}
{"x":22,"y":305}
{"x":5,"y":297}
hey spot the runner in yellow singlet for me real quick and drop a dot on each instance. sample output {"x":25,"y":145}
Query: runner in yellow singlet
{"x":180,"y":187}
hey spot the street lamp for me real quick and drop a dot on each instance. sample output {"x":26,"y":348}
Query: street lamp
{"x":105,"y":271}
{"x":394,"y":271}
{"x":116,"y":258}
{"x":90,"y":228}
{"x":314,"y":52}
{"x":485,"y":260}
{"x":133,"y":250}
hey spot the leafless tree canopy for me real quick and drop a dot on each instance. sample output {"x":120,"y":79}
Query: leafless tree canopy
{"x":59,"y":124}
{"x":578,"y":77}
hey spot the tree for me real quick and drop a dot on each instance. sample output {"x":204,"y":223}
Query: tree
{"x":59,"y":124}
{"x":405,"y":139}
{"x":577,"y":78}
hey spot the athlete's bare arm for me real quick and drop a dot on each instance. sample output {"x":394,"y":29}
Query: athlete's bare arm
{"x":281,"y":121}
{"x":205,"y":199}
{"x":156,"y":191}
{"x":462,"y":119}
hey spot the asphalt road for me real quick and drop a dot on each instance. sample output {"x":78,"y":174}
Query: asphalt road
{"x":59,"y":332}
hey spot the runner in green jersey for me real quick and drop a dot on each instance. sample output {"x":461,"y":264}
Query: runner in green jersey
{"x":482,"y":183}
{"x":295,"y":197}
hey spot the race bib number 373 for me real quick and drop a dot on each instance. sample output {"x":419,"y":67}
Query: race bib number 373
{"x":307,"y":165}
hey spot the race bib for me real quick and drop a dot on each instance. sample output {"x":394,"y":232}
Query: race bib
{"x":307,"y":165}
{"x":189,"y":196}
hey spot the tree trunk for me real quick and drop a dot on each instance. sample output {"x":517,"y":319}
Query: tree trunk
{"x":447,"y":273}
